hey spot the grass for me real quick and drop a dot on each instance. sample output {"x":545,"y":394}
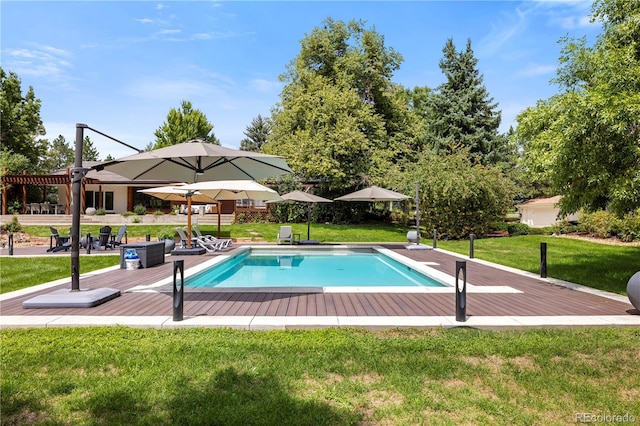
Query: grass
{"x":93,"y":376}
{"x":595,"y":265}
{"x":20,"y":272}
{"x":265,"y":231}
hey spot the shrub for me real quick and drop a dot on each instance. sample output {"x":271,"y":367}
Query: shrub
{"x":630,"y":227}
{"x":101,"y":212}
{"x":165,"y":235}
{"x":456,"y":196}
{"x":136,"y":220}
{"x":158,"y":213}
{"x":516,"y":229}
{"x":14,"y":207}
{"x":564,"y":227}
{"x":499,"y":226}
{"x":127,"y":214}
{"x":140,"y":210}
{"x":13,"y":225}
{"x":601,"y":224}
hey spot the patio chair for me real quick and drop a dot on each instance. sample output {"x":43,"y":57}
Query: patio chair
{"x":104,"y":239}
{"x":209,"y":246}
{"x":63,"y":242}
{"x":117,"y":240}
{"x":285,"y":235}
{"x":224,"y":242}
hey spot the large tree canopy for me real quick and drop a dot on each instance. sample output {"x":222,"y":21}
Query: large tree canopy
{"x":341,"y":120}
{"x":20,"y":123}
{"x":183,"y":124}
{"x":461,"y":113}
{"x":585,"y":141}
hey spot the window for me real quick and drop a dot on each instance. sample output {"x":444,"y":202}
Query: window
{"x":93,"y":199}
{"x":108,"y":200}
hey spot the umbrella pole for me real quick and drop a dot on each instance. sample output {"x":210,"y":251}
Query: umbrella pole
{"x":308,"y":221}
{"x":218,"y":208}
{"x":188,"y":221}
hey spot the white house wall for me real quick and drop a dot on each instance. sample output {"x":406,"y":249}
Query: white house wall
{"x":542,"y":216}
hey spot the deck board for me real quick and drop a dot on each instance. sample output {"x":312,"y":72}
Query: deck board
{"x":538,"y":297}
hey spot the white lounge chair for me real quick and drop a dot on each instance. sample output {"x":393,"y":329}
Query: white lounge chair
{"x":200,"y":242}
{"x":224,"y":242}
{"x":285,"y":235}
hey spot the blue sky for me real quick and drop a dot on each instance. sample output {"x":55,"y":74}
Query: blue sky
{"x":121,"y":66}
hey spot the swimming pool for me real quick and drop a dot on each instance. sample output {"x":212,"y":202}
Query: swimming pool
{"x":311,"y":268}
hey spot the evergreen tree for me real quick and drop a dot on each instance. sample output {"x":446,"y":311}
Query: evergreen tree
{"x":461,"y":114}
{"x":256,"y":135}
{"x":89,"y":152}
{"x":59,"y":155}
{"x":184,"y":124}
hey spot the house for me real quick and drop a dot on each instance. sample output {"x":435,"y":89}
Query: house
{"x":108,"y":190}
{"x":542,"y":212}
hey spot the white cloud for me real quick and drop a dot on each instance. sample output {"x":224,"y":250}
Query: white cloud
{"x":145,"y":20}
{"x":39,"y":61}
{"x":510,"y":26}
{"x":264,"y":86}
{"x":534,"y":70}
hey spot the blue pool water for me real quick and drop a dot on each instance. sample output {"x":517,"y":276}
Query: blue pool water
{"x":253,"y":270}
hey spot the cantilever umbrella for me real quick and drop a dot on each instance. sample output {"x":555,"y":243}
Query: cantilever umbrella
{"x":197,"y":160}
{"x":214,"y":191}
{"x":304,"y":197}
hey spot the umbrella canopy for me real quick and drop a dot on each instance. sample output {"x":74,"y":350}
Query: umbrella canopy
{"x":196,"y":160}
{"x":213,"y":191}
{"x":304,"y":197}
{"x":374,"y":193}
{"x":234,"y":190}
{"x":177,"y":193}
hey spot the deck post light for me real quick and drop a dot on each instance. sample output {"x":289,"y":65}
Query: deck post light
{"x":461,"y":291}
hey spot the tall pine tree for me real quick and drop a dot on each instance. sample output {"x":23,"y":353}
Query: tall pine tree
{"x":256,"y":135}
{"x":462,"y":114}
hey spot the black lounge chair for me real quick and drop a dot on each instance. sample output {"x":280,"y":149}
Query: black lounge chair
{"x":63,"y":242}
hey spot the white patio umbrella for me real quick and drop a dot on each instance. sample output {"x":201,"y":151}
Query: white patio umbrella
{"x":304,"y":197}
{"x":213,"y":191}
{"x":196,"y":160}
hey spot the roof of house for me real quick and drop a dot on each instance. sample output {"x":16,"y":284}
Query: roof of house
{"x":542,"y":202}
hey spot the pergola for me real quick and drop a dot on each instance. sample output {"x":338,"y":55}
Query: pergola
{"x":25,"y":179}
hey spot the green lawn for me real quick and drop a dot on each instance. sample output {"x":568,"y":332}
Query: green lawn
{"x":600,"y":266}
{"x":126,"y":376}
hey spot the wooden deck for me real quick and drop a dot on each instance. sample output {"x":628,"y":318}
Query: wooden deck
{"x":538,"y":298}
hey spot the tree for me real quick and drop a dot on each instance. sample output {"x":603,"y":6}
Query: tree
{"x":20,"y":125}
{"x":456,"y":196}
{"x":59,"y":155}
{"x":341,"y":121}
{"x":461,"y":112}
{"x":89,"y":152}
{"x":184,"y":124}
{"x":256,"y":135}
{"x":585,"y":141}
